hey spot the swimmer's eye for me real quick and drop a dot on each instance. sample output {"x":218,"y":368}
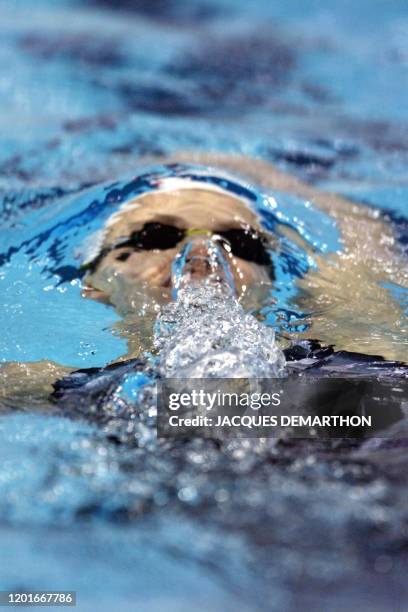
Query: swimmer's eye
{"x":151,"y":236}
{"x":123,"y":256}
{"x":155,"y":236}
{"x":247,"y":244}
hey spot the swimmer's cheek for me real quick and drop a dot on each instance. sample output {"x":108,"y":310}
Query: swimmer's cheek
{"x":156,"y":278}
{"x":152,"y":268}
{"x":248,"y":274}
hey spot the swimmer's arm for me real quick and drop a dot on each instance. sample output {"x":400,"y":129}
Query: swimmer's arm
{"x":28,"y":383}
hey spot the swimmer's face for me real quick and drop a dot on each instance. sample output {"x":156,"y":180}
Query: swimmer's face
{"x":145,"y":240}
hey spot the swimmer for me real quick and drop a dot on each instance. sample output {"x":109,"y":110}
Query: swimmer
{"x":181,"y":215}
{"x":182,"y":221}
{"x":142,"y":243}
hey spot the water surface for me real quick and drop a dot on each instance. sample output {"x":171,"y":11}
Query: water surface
{"x":91,"y":91}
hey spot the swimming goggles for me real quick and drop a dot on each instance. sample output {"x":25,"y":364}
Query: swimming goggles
{"x":245,"y":243}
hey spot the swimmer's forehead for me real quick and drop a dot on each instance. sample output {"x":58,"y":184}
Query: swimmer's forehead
{"x":186,"y":206}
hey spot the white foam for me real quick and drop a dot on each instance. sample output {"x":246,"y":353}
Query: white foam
{"x":206,"y":333}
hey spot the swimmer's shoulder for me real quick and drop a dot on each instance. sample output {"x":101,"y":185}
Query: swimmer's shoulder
{"x":87,"y":387}
{"x":315,"y":359}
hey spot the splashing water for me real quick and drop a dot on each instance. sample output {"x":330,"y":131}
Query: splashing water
{"x":85,"y":94}
{"x":206,"y":333}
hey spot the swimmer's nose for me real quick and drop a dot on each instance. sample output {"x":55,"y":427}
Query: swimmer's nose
{"x":200,"y":261}
{"x":200,"y":258}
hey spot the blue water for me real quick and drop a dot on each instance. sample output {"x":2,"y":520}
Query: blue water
{"x":45,"y":262}
{"x":86,"y":89}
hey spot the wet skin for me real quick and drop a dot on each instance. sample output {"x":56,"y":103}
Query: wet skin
{"x":346,"y":294}
{"x":205,"y":214}
{"x":350,"y":306}
{"x":131,"y":279}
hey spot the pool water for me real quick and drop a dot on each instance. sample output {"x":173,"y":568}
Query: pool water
{"x":97,"y":99}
